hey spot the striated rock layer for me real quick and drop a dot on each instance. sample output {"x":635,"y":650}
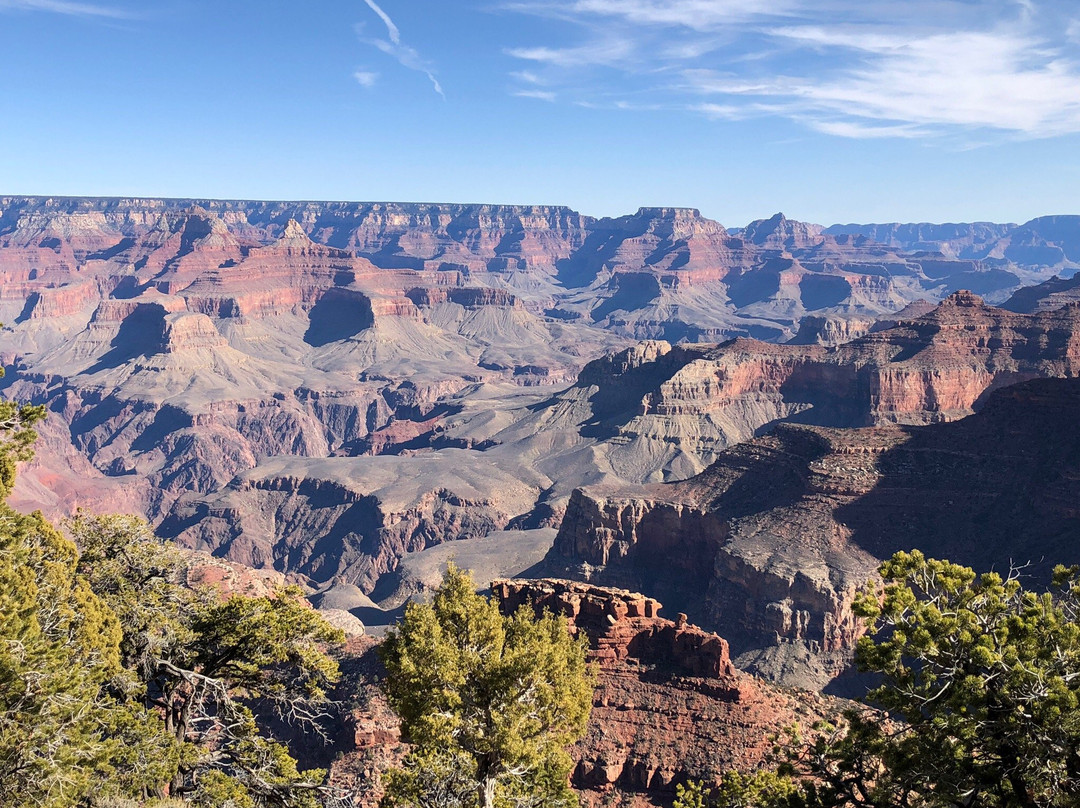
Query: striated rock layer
{"x":668,"y":705}
{"x":650,"y":413}
{"x":322,"y":388}
{"x":770,"y":544}
{"x":701,"y":399}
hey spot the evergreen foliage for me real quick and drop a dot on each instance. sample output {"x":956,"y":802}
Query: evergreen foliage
{"x":59,"y":644}
{"x":490,"y":703}
{"x":979,"y":702}
{"x":17,"y":436}
{"x":202,"y":663}
{"x":119,"y":684}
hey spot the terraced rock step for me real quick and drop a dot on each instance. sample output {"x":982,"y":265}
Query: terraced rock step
{"x":770,"y":544}
{"x":668,"y":705}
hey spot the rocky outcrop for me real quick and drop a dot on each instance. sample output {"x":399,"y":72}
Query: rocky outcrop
{"x":831,"y":330}
{"x":700,"y":399}
{"x":621,"y":625}
{"x":770,"y":544}
{"x":1047,"y":296}
{"x":229,"y":577}
{"x":668,"y":705}
{"x":783,"y":234}
{"x":348,"y":521}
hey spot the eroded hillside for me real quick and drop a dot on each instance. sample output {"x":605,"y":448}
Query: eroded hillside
{"x":774,"y":539}
{"x":328,"y":388}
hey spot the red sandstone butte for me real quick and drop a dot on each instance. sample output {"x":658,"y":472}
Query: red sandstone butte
{"x":668,"y":705}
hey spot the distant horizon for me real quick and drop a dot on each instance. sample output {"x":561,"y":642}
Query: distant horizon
{"x":119,"y":197}
{"x":845,"y":111}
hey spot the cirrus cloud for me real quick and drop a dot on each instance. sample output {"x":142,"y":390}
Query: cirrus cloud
{"x":872,"y":69}
{"x":392,"y":46}
{"x":71,"y":9}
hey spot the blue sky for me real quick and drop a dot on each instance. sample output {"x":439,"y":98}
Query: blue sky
{"x":830,"y":110}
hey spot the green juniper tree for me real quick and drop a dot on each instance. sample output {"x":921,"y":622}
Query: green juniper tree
{"x":203,"y":663}
{"x":59,"y":644}
{"x":978,"y":702}
{"x":119,"y":681}
{"x":489,"y":703}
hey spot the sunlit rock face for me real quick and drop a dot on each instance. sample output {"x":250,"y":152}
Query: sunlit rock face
{"x":770,"y":544}
{"x":668,"y":706}
{"x":324,"y":388}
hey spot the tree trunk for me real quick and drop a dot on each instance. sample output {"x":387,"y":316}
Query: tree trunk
{"x":487,"y":792}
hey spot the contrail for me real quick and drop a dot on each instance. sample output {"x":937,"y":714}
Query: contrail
{"x":406,"y":56}
{"x":391,"y":29}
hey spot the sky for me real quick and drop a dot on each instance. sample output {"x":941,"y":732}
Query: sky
{"x":831,"y":111}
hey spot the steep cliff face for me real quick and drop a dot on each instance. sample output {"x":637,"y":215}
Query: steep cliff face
{"x":662,"y":272}
{"x":455,"y":464}
{"x":668,"y":706}
{"x":256,"y":377}
{"x":1048,"y":242}
{"x":831,"y":330}
{"x":700,"y":399}
{"x":178,"y":345}
{"x":962,"y":240}
{"x":1047,"y":296}
{"x":348,"y":521}
{"x":770,"y":544}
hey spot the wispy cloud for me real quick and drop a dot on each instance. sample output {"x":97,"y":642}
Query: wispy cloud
{"x":697,"y":15}
{"x":69,"y":8}
{"x":609,"y":53}
{"x":526,"y":76}
{"x":540,"y":95}
{"x":366,"y":78}
{"x":727,"y":112}
{"x":392,"y":46}
{"x":997,"y":80}
{"x":853,"y":129}
{"x":847,"y":68}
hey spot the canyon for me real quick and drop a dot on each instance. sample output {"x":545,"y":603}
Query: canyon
{"x":774,"y":540}
{"x":336,"y":392}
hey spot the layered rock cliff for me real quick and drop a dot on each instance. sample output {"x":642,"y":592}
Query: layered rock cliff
{"x":769,"y":545}
{"x":668,"y":705}
{"x":324,"y":387}
{"x":699,"y":399}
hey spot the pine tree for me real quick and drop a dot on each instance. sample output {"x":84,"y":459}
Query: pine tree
{"x":59,"y":645}
{"x":489,"y":703}
{"x":203,"y":663}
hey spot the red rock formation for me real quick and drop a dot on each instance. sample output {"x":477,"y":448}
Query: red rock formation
{"x":185,"y":348}
{"x":622,"y":625}
{"x":668,"y":705}
{"x":770,"y":544}
{"x":936,"y":367}
{"x":229,"y":577}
